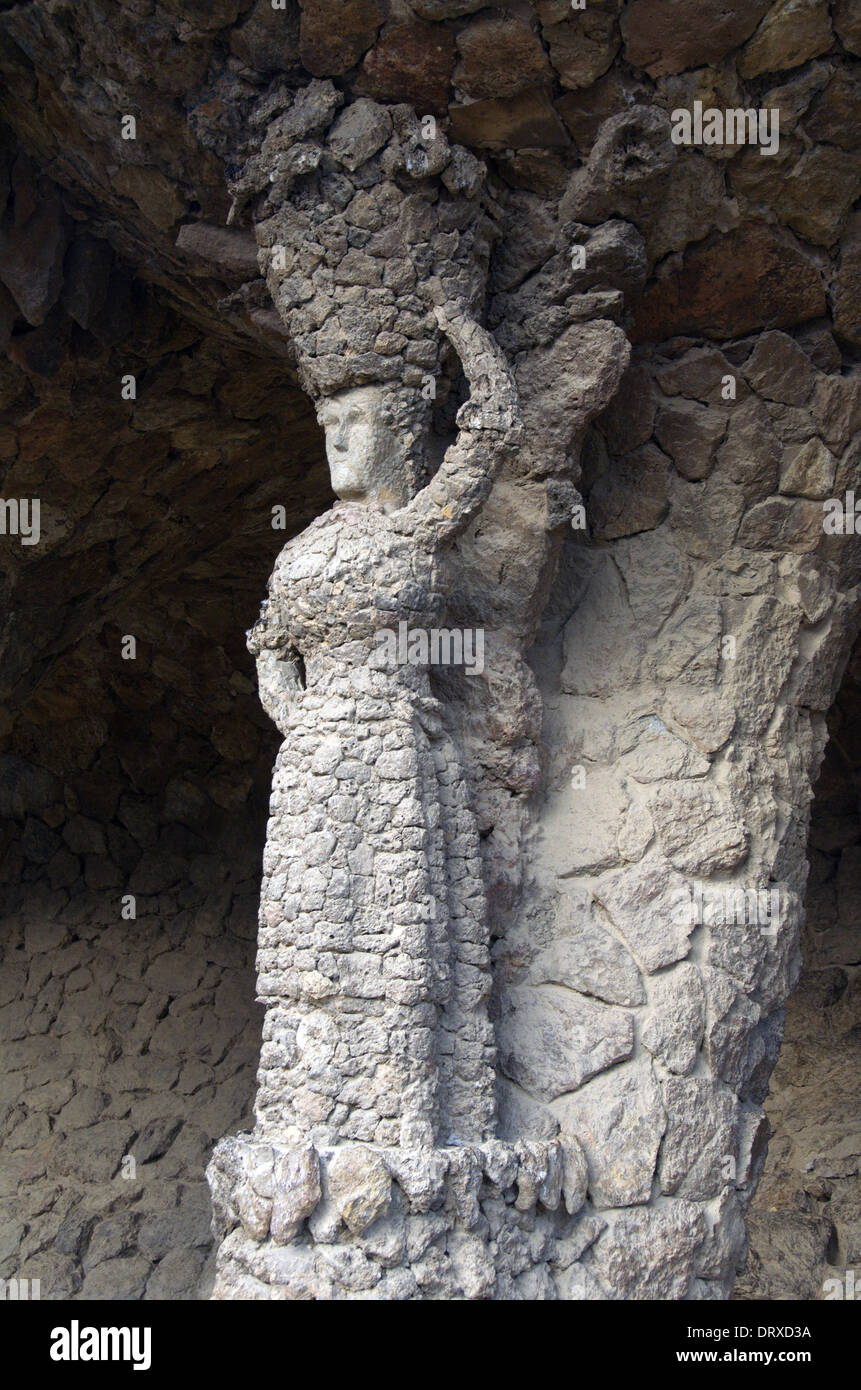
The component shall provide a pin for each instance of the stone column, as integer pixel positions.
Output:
(689, 655)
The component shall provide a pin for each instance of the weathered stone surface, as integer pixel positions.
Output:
(297, 1191)
(8, 314)
(690, 434)
(333, 37)
(96, 1152)
(575, 1182)
(33, 240)
(692, 638)
(792, 32)
(847, 287)
(834, 115)
(554, 1040)
(650, 1254)
(665, 36)
(719, 504)
(809, 471)
(359, 132)
(628, 420)
(585, 111)
(86, 285)
(725, 1247)
(698, 206)
(781, 524)
(674, 1030)
(749, 279)
(701, 375)
(177, 1276)
(627, 170)
(716, 87)
(633, 496)
(642, 903)
(206, 14)
(359, 1184)
(410, 62)
(498, 55)
(698, 1153)
(600, 806)
(445, 9)
(801, 1217)
(689, 654)
(225, 247)
(544, 172)
(267, 39)
(650, 751)
(750, 453)
(584, 45)
(811, 190)
(847, 25)
(789, 1256)
(597, 637)
(520, 1114)
(592, 962)
(780, 370)
(836, 409)
(697, 830)
(123, 1279)
(619, 1120)
(792, 98)
(159, 201)
(526, 119)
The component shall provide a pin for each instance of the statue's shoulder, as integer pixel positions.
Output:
(351, 519)
(348, 528)
(324, 527)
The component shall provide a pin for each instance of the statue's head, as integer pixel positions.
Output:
(372, 444)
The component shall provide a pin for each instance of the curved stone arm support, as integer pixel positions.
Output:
(279, 664)
(278, 683)
(562, 387)
(489, 426)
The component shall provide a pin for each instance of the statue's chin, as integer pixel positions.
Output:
(348, 483)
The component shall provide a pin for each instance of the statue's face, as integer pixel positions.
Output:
(362, 451)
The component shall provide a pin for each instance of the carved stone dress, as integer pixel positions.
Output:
(373, 944)
(373, 960)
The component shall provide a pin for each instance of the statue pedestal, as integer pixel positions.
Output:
(362, 1220)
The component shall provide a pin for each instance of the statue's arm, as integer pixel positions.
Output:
(489, 426)
(280, 676)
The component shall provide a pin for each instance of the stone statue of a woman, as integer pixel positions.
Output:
(373, 954)
(375, 1108)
